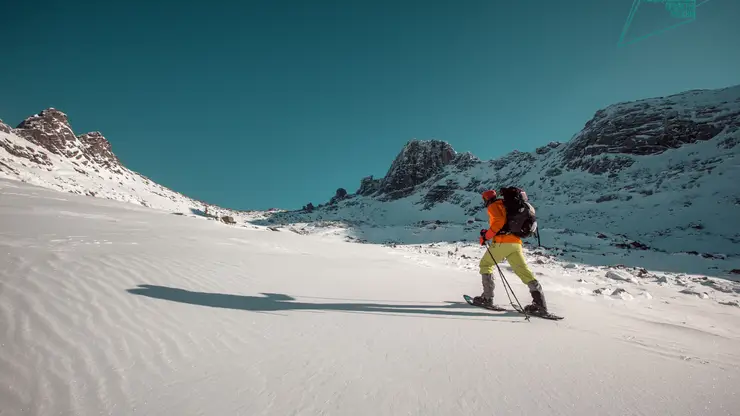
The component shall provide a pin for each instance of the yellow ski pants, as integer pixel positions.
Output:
(512, 252)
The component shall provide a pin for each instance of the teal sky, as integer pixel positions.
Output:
(258, 104)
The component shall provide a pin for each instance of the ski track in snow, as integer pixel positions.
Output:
(108, 308)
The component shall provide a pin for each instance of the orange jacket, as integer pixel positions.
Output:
(497, 220)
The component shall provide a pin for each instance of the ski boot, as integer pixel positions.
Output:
(538, 305)
(483, 301)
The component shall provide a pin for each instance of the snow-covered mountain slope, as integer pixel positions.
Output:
(648, 182)
(44, 150)
(116, 309)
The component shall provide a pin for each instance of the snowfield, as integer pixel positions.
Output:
(114, 308)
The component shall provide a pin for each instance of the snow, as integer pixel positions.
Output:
(114, 308)
(677, 211)
(620, 275)
(118, 183)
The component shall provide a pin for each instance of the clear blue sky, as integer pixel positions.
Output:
(256, 104)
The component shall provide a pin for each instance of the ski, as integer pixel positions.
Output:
(549, 316)
(490, 308)
(496, 308)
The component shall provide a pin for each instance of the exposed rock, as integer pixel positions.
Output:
(545, 149)
(369, 186)
(632, 245)
(465, 161)
(50, 129)
(97, 149)
(601, 165)
(730, 303)
(606, 198)
(439, 193)
(228, 219)
(729, 142)
(646, 127)
(25, 152)
(417, 162)
(702, 295)
(514, 158)
(552, 172)
(621, 275)
(4, 127)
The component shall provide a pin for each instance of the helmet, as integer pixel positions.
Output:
(489, 195)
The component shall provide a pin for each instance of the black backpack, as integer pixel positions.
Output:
(521, 220)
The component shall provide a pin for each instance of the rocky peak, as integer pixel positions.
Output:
(418, 161)
(50, 129)
(4, 127)
(97, 149)
(652, 126)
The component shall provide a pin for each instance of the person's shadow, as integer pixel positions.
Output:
(272, 302)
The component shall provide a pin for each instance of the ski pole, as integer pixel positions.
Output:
(506, 283)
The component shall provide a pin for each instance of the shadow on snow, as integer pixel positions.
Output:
(273, 302)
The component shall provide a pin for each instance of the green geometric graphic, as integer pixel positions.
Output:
(683, 10)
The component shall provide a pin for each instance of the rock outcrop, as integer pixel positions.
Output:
(4, 127)
(51, 130)
(417, 162)
(369, 186)
(97, 149)
(652, 126)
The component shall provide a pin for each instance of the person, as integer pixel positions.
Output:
(504, 246)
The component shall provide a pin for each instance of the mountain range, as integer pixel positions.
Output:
(649, 183)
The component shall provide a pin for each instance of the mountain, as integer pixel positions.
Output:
(44, 150)
(640, 181)
(648, 182)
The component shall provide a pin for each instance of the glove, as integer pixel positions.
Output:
(485, 235)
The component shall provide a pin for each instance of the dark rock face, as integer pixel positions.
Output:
(546, 149)
(369, 186)
(97, 149)
(417, 162)
(649, 127)
(51, 130)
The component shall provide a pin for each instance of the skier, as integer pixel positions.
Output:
(509, 247)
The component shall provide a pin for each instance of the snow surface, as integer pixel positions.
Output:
(113, 308)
